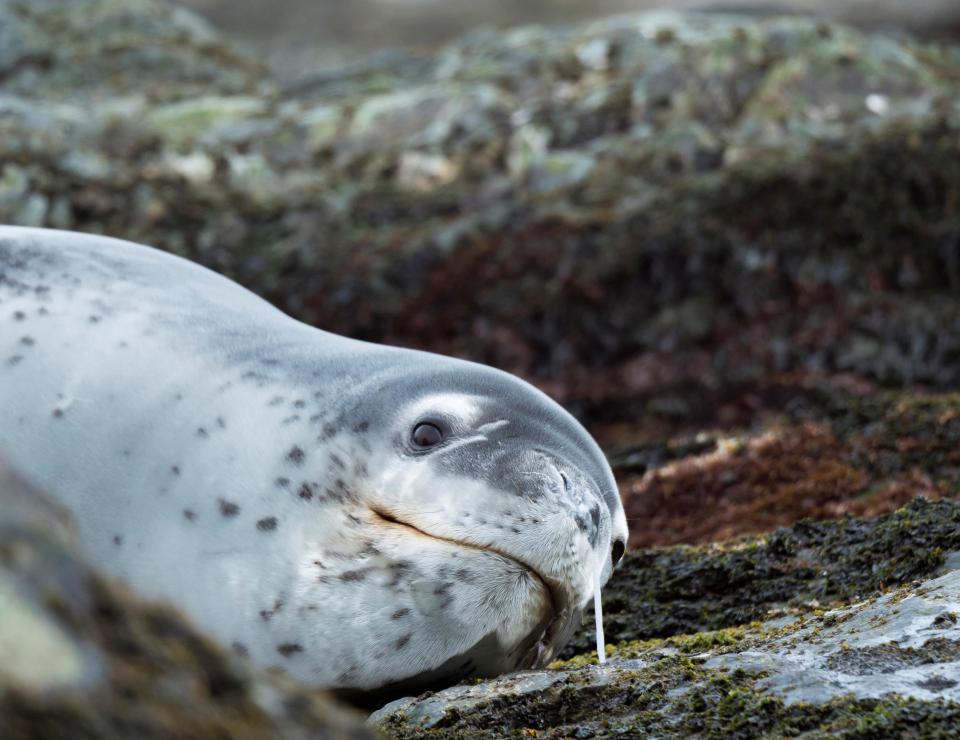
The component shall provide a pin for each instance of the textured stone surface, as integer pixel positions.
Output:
(752, 196)
(876, 669)
(81, 657)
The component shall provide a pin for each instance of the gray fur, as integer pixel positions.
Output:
(258, 472)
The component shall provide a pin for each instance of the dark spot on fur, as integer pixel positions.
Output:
(296, 455)
(118, 540)
(360, 469)
(175, 469)
(305, 492)
(282, 482)
(221, 423)
(400, 613)
(57, 413)
(202, 433)
(290, 420)
(14, 360)
(362, 426)
(353, 575)
(276, 401)
(335, 460)
(288, 649)
(370, 549)
(266, 614)
(402, 642)
(28, 341)
(189, 515)
(94, 319)
(227, 508)
(397, 571)
(267, 524)
(19, 316)
(464, 575)
(299, 404)
(240, 649)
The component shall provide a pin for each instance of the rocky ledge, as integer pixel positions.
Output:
(887, 667)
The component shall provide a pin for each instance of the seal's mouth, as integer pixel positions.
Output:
(549, 636)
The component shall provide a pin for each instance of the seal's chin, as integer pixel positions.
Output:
(551, 634)
(489, 656)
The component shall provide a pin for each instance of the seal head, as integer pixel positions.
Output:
(493, 515)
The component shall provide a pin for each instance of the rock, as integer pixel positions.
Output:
(828, 452)
(659, 592)
(82, 657)
(905, 643)
(754, 196)
(882, 668)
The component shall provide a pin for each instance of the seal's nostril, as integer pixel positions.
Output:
(618, 549)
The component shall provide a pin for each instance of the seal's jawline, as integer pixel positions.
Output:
(558, 606)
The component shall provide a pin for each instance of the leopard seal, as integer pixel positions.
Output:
(361, 516)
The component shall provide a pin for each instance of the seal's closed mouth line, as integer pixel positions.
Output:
(556, 602)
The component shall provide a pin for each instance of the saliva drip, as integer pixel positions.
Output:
(598, 618)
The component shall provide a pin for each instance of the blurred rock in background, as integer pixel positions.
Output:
(295, 35)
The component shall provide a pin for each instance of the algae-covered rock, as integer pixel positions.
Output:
(645, 213)
(80, 657)
(883, 668)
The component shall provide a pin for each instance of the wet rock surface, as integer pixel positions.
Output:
(730, 245)
(81, 657)
(886, 667)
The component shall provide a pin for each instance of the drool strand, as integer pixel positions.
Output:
(598, 618)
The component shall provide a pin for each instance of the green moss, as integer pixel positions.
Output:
(678, 697)
(686, 590)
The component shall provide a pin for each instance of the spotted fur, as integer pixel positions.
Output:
(259, 473)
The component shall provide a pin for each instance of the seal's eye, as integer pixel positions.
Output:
(426, 435)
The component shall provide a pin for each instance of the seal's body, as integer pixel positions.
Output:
(362, 516)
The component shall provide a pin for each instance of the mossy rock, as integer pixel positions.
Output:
(882, 668)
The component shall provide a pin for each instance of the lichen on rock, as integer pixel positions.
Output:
(760, 681)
